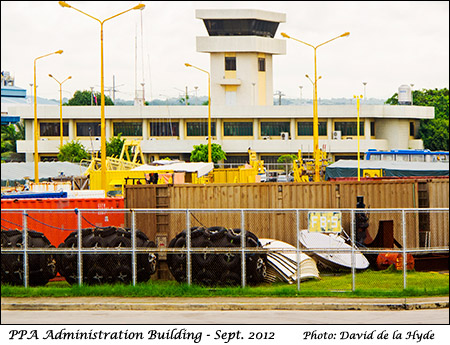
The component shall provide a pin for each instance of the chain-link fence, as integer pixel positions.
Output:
(219, 247)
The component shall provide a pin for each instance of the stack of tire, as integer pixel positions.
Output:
(108, 268)
(41, 267)
(217, 268)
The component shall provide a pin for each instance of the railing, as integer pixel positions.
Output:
(198, 257)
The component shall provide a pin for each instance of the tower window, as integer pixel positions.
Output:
(261, 64)
(230, 63)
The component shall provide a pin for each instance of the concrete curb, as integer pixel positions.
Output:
(198, 304)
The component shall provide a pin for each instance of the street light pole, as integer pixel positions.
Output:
(60, 109)
(102, 86)
(209, 110)
(315, 108)
(36, 153)
(358, 98)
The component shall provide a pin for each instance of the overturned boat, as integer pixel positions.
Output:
(331, 251)
(283, 263)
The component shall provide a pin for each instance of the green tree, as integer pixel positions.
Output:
(433, 132)
(183, 100)
(200, 153)
(114, 146)
(73, 151)
(84, 98)
(9, 136)
(288, 158)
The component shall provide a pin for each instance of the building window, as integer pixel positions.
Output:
(275, 128)
(164, 129)
(235, 161)
(411, 129)
(349, 128)
(237, 129)
(230, 63)
(88, 129)
(241, 27)
(270, 159)
(372, 128)
(128, 129)
(261, 64)
(51, 129)
(306, 128)
(200, 129)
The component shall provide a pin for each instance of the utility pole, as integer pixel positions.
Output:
(279, 94)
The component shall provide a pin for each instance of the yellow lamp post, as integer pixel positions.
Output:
(102, 87)
(315, 109)
(36, 153)
(209, 110)
(60, 108)
(358, 98)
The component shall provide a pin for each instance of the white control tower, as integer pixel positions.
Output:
(241, 44)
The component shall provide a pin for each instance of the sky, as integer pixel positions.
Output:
(390, 44)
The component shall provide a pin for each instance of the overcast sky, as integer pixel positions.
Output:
(390, 44)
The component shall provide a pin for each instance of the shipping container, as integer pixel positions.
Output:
(56, 218)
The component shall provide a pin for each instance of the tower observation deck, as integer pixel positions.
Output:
(241, 45)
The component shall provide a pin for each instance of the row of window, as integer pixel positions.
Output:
(230, 64)
(240, 27)
(200, 128)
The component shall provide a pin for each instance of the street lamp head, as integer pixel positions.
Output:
(70, 77)
(139, 7)
(50, 76)
(64, 4)
(188, 65)
(285, 35)
(307, 76)
(346, 34)
(58, 52)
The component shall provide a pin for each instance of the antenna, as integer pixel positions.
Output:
(142, 52)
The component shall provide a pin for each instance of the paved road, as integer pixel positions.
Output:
(431, 316)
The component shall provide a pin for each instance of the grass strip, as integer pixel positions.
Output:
(368, 284)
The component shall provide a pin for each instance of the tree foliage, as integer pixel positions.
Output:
(433, 132)
(288, 158)
(9, 136)
(200, 153)
(84, 98)
(114, 146)
(73, 151)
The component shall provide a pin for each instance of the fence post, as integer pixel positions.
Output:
(25, 248)
(188, 246)
(299, 255)
(133, 246)
(404, 247)
(243, 249)
(353, 248)
(80, 257)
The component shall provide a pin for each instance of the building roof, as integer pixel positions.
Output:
(21, 171)
(348, 168)
(240, 14)
(200, 168)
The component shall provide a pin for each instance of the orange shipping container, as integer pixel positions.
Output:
(56, 224)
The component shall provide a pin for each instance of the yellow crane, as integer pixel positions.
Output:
(304, 170)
